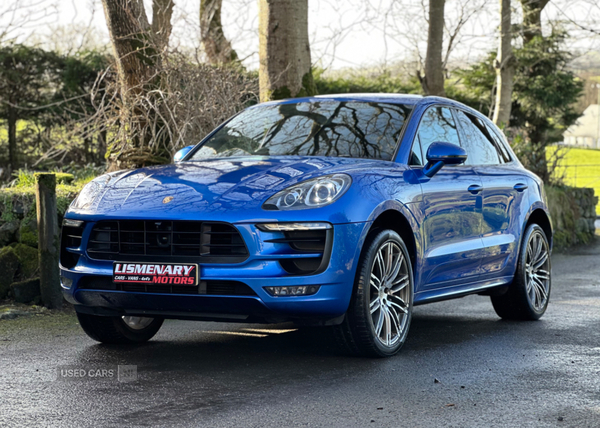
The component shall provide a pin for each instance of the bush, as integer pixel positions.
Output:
(178, 108)
(17, 202)
(365, 82)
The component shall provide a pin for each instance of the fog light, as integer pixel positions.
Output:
(300, 290)
(290, 227)
(66, 282)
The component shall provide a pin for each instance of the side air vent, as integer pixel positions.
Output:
(70, 240)
(309, 242)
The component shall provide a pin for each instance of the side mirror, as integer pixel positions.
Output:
(440, 154)
(181, 153)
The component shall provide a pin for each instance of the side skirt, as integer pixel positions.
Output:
(447, 293)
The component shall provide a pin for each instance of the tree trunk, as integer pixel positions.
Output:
(130, 36)
(433, 81)
(12, 140)
(284, 50)
(505, 68)
(102, 135)
(532, 18)
(218, 49)
(138, 57)
(162, 10)
(532, 27)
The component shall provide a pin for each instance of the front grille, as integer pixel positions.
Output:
(211, 287)
(70, 238)
(166, 240)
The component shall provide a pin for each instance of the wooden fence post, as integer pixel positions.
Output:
(48, 246)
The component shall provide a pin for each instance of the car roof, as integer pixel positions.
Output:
(409, 99)
(405, 99)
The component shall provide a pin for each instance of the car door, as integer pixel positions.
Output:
(503, 191)
(451, 208)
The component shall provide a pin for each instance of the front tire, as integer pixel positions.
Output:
(528, 296)
(380, 311)
(119, 330)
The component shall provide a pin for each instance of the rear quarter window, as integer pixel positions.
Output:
(476, 140)
(500, 141)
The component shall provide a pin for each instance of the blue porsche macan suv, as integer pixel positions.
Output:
(341, 211)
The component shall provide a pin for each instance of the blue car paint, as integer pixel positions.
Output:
(233, 190)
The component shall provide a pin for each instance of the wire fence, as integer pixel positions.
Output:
(581, 175)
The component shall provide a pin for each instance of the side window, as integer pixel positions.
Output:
(481, 149)
(437, 125)
(416, 154)
(500, 143)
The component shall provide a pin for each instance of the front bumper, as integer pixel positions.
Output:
(261, 269)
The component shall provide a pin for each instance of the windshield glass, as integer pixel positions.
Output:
(320, 128)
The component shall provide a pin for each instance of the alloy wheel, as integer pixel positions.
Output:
(537, 271)
(390, 294)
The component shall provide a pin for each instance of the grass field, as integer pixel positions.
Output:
(581, 168)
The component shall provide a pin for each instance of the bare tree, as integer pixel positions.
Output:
(216, 46)
(20, 18)
(505, 68)
(284, 50)
(162, 11)
(138, 47)
(581, 15)
(401, 23)
(433, 80)
(192, 100)
(532, 18)
(129, 33)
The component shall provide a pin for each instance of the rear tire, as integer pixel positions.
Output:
(119, 330)
(378, 319)
(528, 296)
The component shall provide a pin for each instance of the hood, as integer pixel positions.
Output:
(214, 185)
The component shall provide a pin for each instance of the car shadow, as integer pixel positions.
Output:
(198, 346)
(210, 369)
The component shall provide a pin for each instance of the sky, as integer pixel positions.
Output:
(343, 33)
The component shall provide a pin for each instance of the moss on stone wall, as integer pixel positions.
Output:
(18, 204)
(573, 215)
(28, 261)
(9, 264)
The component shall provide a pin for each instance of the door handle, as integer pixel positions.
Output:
(475, 188)
(519, 187)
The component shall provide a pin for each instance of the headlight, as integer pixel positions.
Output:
(314, 193)
(89, 192)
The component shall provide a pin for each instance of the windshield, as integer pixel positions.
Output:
(320, 128)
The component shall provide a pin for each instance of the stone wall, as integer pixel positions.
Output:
(19, 240)
(18, 217)
(573, 212)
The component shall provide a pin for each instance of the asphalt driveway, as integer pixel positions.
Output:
(461, 367)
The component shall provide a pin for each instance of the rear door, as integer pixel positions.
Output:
(451, 211)
(504, 186)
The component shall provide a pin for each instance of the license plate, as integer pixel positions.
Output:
(156, 273)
